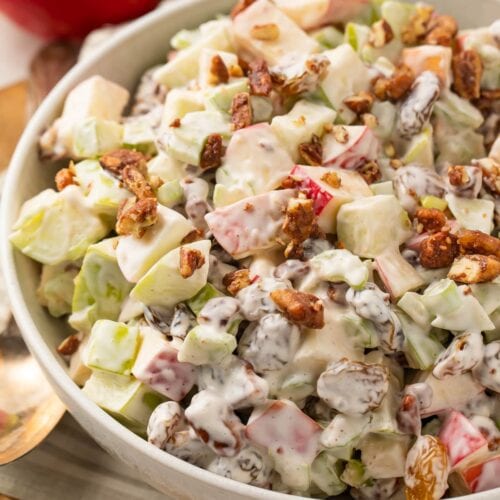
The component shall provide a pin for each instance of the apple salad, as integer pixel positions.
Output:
(281, 262)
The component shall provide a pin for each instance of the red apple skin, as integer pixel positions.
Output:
(483, 476)
(66, 19)
(461, 438)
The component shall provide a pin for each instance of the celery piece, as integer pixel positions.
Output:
(325, 474)
(442, 297)
(413, 305)
(355, 474)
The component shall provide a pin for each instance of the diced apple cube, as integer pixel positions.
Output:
(94, 136)
(139, 134)
(78, 370)
(472, 213)
(482, 476)
(157, 366)
(178, 103)
(242, 232)
(462, 439)
(435, 58)
(362, 146)
(220, 98)
(298, 126)
(327, 198)
(205, 76)
(163, 285)
(384, 456)
(112, 347)
(136, 256)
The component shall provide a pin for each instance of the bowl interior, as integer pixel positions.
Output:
(123, 60)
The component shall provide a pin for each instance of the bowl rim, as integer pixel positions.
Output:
(54, 371)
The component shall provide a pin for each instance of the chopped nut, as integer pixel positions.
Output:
(395, 163)
(478, 242)
(155, 181)
(380, 34)
(312, 152)
(299, 219)
(370, 172)
(370, 120)
(299, 307)
(438, 250)
(241, 111)
(467, 73)
(237, 280)
(491, 174)
(289, 183)
(395, 87)
(235, 71)
(69, 345)
(416, 29)
(240, 7)
(360, 103)
(213, 151)
(441, 30)
(134, 217)
(474, 269)
(431, 219)
(116, 161)
(64, 178)
(218, 70)
(457, 175)
(340, 134)
(390, 150)
(192, 236)
(265, 32)
(190, 259)
(135, 181)
(176, 123)
(259, 78)
(332, 179)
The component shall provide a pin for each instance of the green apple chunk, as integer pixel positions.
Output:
(167, 168)
(187, 141)
(103, 191)
(125, 398)
(472, 213)
(112, 347)
(220, 98)
(205, 74)
(56, 287)
(412, 304)
(100, 287)
(420, 150)
(95, 136)
(197, 302)
(384, 456)
(206, 345)
(170, 194)
(178, 103)
(163, 285)
(488, 295)
(136, 256)
(56, 227)
(325, 474)
(138, 134)
(368, 236)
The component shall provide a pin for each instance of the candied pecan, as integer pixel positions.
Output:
(265, 32)
(176, 123)
(213, 151)
(241, 111)
(395, 87)
(474, 269)
(360, 103)
(416, 28)
(491, 174)
(190, 259)
(312, 152)
(64, 178)
(259, 78)
(299, 307)
(299, 219)
(467, 73)
(380, 34)
(192, 236)
(237, 280)
(471, 241)
(441, 30)
(289, 183)
(240, 7)
(340, 134)
(332, 179)
(134, 217)
(116, 161)
(431, 219)
(457, 175)
(370, 172)
(69, 345)
(438, 250)
(135, 181)
(236, 71)
(218, 70)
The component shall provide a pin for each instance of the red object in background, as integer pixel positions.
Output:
(72, 18)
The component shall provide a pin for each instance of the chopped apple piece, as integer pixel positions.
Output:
(384, 455)
(435, 58)
(178, 103)
(481, 476)
(206, 78)
(94, 136)
(472, 213)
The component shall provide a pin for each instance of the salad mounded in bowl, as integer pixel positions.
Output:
(280, 262)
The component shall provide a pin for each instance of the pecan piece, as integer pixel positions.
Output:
(190, 259)
(299, 224)
(491, 173)
(240, 7)
(192, 236)
(135, 182)
(438, 250)
(241, 111)
(134, 217)
(69, 345)
(259, 78)
(218, 70)
(64, 178)
(467, 73)
(360, 103)
(116, 161)
(213, 151)
(432, 220)
(395, 87)
(265, 32)
(237, 280)
(457, 175)
(441, 30)
(299, 307)
(332, 179)
(471, 241)
(340, 134)
(380, 34)
(370, 172)
(474, 269)
(312, 152)
(416, 29)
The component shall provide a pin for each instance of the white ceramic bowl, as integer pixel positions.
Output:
(123, 60)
